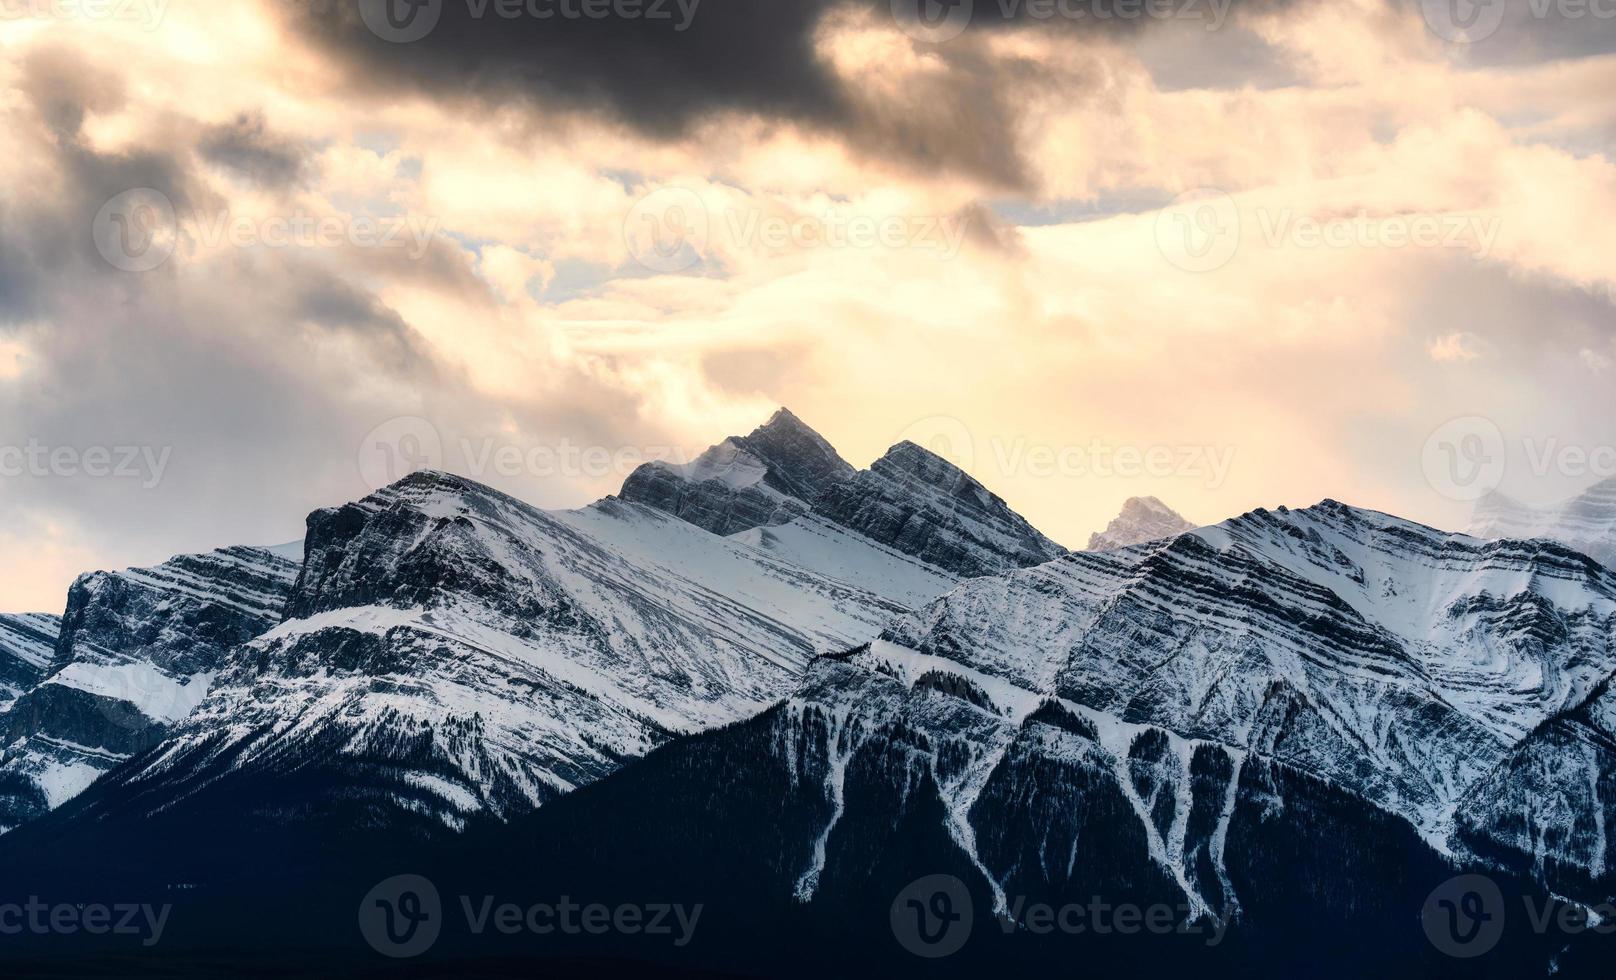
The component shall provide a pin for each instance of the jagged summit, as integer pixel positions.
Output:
(768, 478)
(915, 501)
(1143, 519)
(910, 500)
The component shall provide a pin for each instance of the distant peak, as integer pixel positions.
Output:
(1143, 519)
(1146, 505)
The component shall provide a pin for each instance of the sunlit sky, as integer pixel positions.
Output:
(1256, 256)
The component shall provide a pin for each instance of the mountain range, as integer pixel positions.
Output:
(791, 691)
(1586, 522)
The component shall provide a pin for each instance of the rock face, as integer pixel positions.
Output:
(767, 478)
(1586, 522)
(918, 503)
(1143, 520)
(27, 647)
(135, 653)
(452, 654)
(1545, 810)
(911, 500)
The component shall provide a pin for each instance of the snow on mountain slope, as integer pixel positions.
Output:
(1549, 809)
(820, 546)
(916, 502)
(769, 477)
(451, 652)
(1586, 522)
(137, 652)
(1143, 519)
(1400, 663)
(27, 647)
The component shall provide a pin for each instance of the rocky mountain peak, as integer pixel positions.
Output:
(767, 478)
(1143, 519)
(918, 502)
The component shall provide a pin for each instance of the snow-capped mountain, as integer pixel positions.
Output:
(769, 477)
(1143, 519)
(910, 500)
(1401, 663)
(137, 650)
(1586, 522)
(1293, 725)
(27, 647)
(451, 653)
(915, 501)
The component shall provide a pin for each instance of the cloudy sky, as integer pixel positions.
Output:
(257, 256)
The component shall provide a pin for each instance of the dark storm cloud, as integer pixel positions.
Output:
(732, 54)
(246, 146)
(755, 56)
